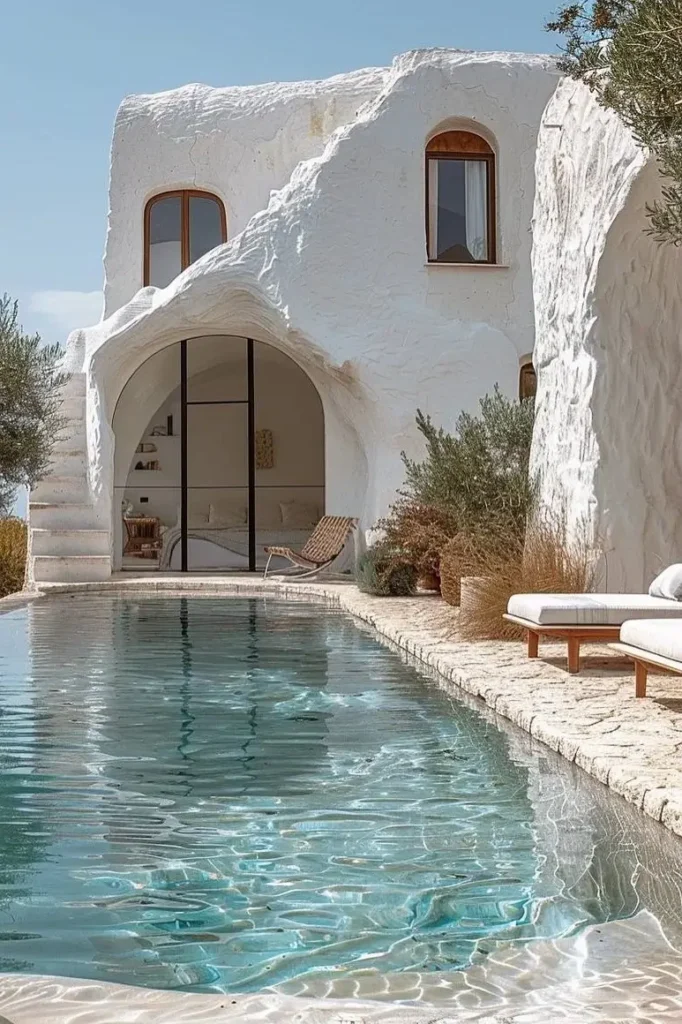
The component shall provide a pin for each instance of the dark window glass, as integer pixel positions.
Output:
(165, 240)
(205, 226)
(458, 210)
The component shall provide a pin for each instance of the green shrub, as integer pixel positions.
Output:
(385, 572)
(13, 539)
(31, 393)
(478, 475)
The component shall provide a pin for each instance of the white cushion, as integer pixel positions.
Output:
(655, 636)
(299, 516)
(196, 520)
(226, 514)
(591, 609)
(197, 516)
(668, 583)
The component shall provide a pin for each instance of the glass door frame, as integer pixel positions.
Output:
(249, 401)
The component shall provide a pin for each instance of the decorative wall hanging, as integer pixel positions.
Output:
(265, 451)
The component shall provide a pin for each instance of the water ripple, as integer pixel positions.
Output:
(234, 794)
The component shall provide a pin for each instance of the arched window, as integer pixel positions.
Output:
(179, 227)
(528, 382)
(460, 199)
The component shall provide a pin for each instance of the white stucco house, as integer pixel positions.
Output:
(291, 270)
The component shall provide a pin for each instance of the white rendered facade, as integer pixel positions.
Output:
(608, 352)
(323, 186)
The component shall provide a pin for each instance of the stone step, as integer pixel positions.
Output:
(71, 568)
(56, 489)
(73, 407)
(77, 384)
(61, 515)
(72, 439)
(59, 541)
(69, 462)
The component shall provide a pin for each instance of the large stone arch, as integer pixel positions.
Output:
(123, 355)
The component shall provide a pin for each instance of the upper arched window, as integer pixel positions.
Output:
(179, 227)
(460, 199)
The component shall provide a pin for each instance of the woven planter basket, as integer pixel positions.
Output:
(469, 593)
(429, 581)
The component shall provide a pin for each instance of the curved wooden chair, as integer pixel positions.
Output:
(323, 547)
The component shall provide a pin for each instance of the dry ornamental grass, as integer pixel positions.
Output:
(546, 564)
(13, 539)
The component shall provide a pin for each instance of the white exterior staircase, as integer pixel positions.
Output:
(66, 544)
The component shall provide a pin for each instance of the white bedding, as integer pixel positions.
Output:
(226, 547)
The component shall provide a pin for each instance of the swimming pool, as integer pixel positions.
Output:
(210, 793)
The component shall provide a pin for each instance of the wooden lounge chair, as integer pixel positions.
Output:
(651, 643)
(323, 547)
(583, 618)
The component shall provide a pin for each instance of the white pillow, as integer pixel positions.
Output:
(195, 519)
(668, 583)
(299, 515)
(227, 514)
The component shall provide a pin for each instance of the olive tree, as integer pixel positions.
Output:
(31, 383)
(629, 52)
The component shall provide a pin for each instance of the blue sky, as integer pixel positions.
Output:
(66, 65)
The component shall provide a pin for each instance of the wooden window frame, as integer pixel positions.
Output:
(185, 195)
(477, 152)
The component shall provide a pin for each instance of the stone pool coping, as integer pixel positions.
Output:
(632, 745)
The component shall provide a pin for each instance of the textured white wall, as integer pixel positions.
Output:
(608, 437)
(333, 272)
(239, 143)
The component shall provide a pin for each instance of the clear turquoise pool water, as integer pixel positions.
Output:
(202, 793)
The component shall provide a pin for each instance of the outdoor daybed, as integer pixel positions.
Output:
(651, 643)
(589, 618)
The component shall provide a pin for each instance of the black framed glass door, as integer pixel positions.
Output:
(219, 454)
(217, 400)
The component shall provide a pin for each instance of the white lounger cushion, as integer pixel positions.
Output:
(591, 609)
(668, 583)
(654, 636)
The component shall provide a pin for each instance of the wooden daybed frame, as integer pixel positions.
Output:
(644, 660)
(574, 636)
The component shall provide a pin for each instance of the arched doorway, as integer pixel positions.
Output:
(219, 451)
